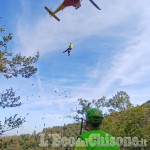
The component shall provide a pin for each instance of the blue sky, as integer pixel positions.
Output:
(111, 53)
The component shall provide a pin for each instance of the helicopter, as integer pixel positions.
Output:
(66, 3)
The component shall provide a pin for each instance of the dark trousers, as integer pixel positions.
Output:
(67, 50)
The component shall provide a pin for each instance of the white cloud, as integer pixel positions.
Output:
(130, 66)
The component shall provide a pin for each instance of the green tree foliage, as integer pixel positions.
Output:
(15, 65)
(8, 99)
(11, 123)
(134, 122)
(119, 102)
(10, 143)
(147, 103)
(12, 66)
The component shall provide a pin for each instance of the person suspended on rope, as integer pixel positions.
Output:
(69, 49)
(95, 138)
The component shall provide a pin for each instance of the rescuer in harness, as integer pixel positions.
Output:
(69, 49)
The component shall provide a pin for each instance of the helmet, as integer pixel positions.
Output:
(94, 116)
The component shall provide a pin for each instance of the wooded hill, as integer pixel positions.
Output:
(134, 122)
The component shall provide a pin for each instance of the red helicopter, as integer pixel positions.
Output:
(66, 3)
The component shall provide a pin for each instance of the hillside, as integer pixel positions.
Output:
(134, 122)
(147, 103)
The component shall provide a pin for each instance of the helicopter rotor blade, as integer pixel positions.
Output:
(95, 4)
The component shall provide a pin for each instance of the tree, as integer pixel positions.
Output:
(119, 102)
(8, 99)
(134, 122)
(12, 66)
(15, 65)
